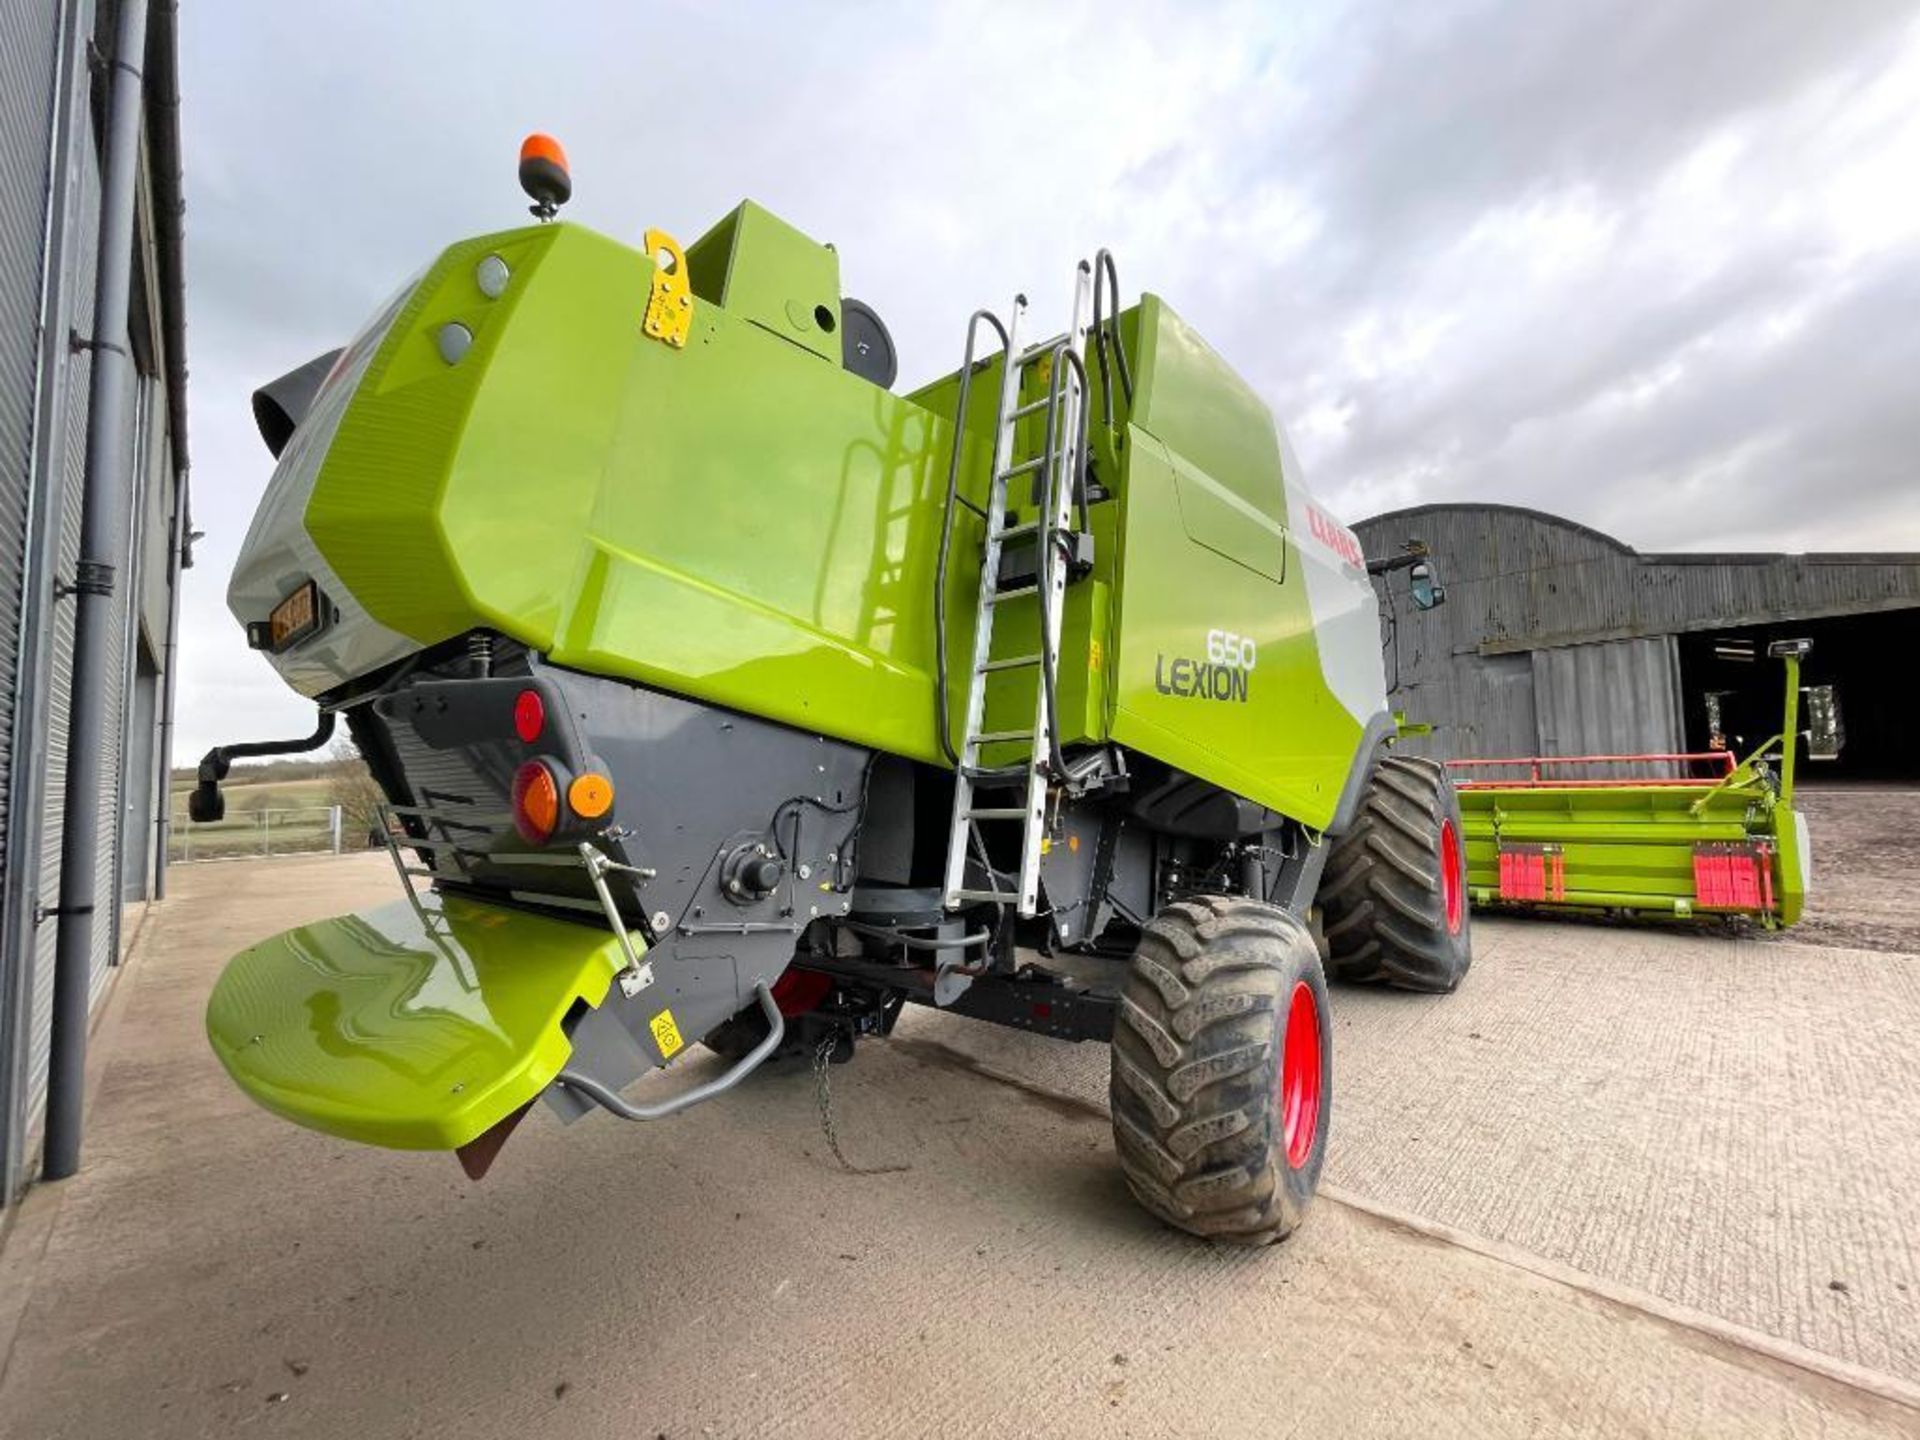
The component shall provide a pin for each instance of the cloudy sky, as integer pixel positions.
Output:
(1652, 266)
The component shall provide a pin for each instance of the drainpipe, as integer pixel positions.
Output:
(179, 557)
(163, 150)
(102, 545)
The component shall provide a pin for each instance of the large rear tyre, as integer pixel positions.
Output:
(1223, 1070)
(1394, 897)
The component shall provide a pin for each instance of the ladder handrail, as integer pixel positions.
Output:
(1103, 269)
(942, 717)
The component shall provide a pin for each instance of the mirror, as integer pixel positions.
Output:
(1825, 733)
(1427, 593)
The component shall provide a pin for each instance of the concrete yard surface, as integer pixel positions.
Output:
(214, 1270)
(1724, 1123)
(1866, 885)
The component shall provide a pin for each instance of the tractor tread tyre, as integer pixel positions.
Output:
(1383, 899)
(1197, 1048)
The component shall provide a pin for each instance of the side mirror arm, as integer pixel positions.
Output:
(206, 804)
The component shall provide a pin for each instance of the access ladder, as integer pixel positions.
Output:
(1060, 472)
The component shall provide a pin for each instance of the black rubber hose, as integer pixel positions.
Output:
(1052, 542)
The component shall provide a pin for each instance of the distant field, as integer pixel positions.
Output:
(268, 817)
(264, 795)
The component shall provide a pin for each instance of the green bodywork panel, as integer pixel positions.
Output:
(745, 522)
(416, 1029)
(761, 269)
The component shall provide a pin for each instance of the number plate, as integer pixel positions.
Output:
(296, 617)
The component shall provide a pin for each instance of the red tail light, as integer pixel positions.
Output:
(529, 715)
(536, 803)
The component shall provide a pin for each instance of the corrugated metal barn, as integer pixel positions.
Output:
(92, 507)
(1558, 640)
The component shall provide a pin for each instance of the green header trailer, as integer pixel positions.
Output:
(1685, 837)
(723, 696)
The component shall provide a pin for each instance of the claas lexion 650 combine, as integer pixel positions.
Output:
(720, 694)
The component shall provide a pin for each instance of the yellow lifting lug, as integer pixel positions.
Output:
(670, 304)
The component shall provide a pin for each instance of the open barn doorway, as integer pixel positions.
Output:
(1861, 656)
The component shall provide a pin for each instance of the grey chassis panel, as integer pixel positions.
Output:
(701, 794)
(696, 785)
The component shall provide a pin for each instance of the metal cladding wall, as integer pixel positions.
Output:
(28, 48)
(1557, 639)
(79, 369)
(49, 231)
(1617, 697)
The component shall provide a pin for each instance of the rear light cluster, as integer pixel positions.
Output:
(543, 794)
(536, 803)
(529, 715)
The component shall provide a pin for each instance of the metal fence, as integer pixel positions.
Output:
(309, 830)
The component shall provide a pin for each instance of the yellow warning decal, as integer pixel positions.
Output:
(666, 1034)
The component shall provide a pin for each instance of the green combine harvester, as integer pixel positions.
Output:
(721, 694)
(1649, 836)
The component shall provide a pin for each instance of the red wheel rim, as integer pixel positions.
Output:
(1453, 891)
(1300, 1076)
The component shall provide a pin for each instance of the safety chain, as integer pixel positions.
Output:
(823, 1092)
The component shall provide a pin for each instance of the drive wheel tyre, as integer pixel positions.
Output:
(795, 992)
(1394, 898)
(1223, 1070)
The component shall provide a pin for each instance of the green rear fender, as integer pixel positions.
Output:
(415, 1028)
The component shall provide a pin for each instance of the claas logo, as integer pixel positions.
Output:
(1335, 536)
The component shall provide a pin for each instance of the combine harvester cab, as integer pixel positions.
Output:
(720, 694)
(1697, 837)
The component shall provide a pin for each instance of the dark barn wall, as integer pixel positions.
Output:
(1557, 639)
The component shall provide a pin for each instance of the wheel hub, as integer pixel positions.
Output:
(1453, 892)
(1300, 1075)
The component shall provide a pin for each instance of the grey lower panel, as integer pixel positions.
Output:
(751, 831)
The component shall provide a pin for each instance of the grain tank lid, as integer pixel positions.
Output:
(413, 1028)
(760, 269)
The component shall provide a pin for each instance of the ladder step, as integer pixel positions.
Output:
(1027, 466)
(994, 774)
(1024, 528)
(1016, 593)
(1032, 407)
(998, 812)
(995, 897)
(1012, 662)
(1000, 737)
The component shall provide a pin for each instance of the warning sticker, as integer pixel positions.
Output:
(666, 1034)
